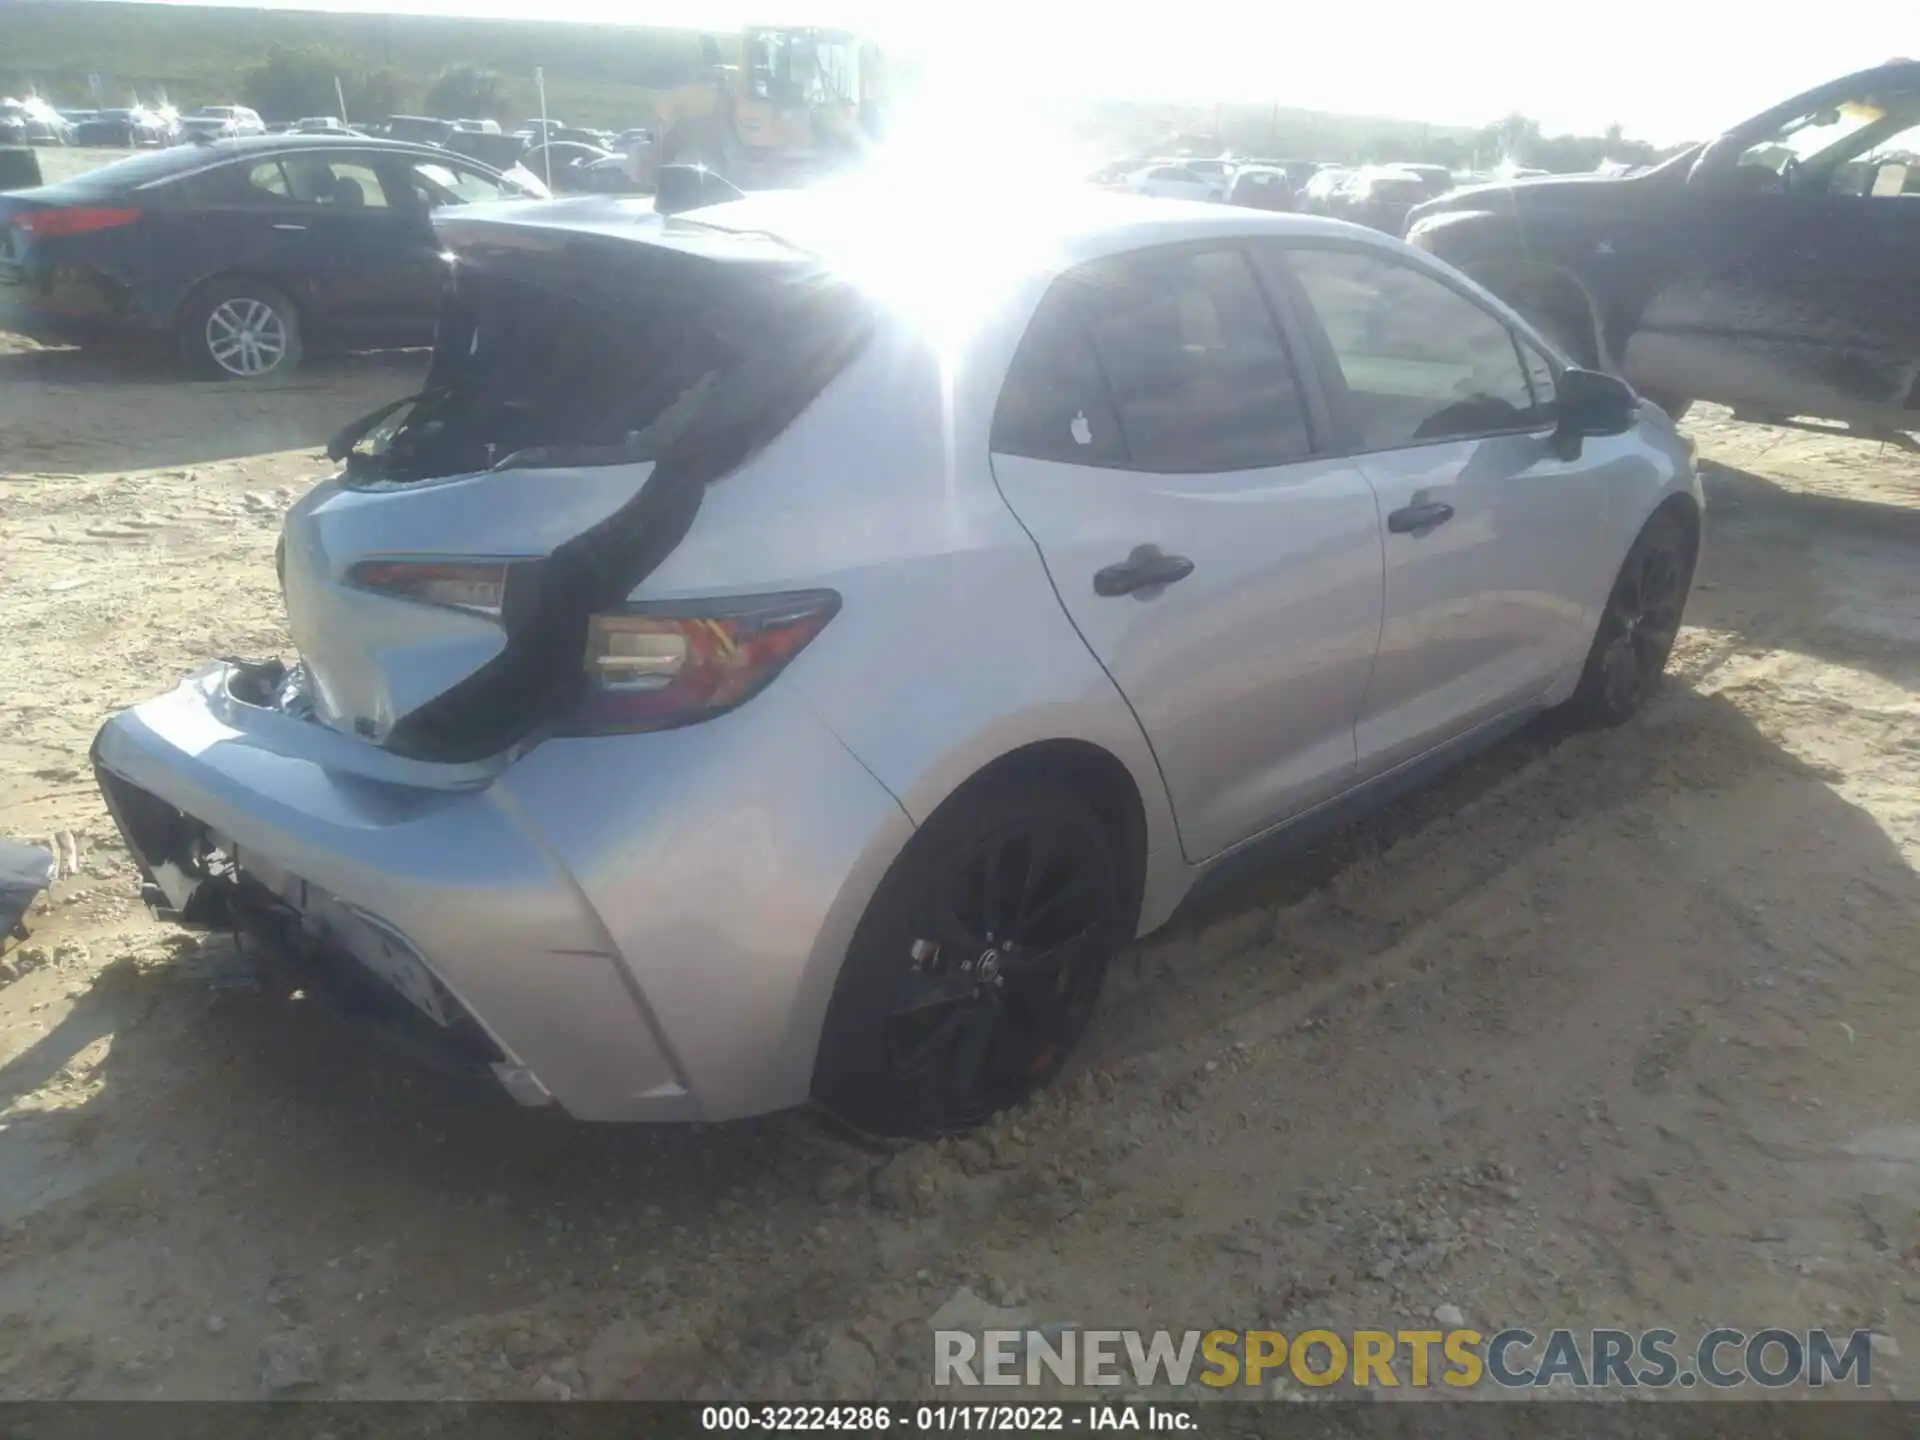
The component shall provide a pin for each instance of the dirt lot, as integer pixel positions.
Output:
(1607, 1030)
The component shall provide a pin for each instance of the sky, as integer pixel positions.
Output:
(1667, 70)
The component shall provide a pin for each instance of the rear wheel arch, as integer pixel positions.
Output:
(1075, 785)
(1097, 776)
(1686, 510)
(1678, 506)
(242, 274)
(192, 346)
(1640, 618)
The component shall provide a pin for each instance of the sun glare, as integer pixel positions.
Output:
(951, 212)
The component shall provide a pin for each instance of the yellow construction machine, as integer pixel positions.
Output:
(802, 101)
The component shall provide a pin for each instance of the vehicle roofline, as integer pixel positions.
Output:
(219, 152)
(1170, 222)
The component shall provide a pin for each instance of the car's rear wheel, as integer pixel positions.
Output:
(1637, 629)
(978, 964)
(241, 330)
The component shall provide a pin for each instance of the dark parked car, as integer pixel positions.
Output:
(502, 152)
(322, 125)
(244, 253)
(221, 122)
(610, 175)
(1299, 172)
(1775, 269)
(19, 166)
(563, 165)
(125, 129)
(420, 129)
(1381, 196)
(1261, 188)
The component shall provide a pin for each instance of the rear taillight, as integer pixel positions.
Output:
(652, 667)
(477, 586)
(72, 220)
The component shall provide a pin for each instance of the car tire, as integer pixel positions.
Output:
(1637, 628)
(978, 964)
(241, 329)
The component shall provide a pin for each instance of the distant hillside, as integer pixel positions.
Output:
(198, 55)
(1277, 132)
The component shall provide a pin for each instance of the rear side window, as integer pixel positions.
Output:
(1174, 349)
(1053, 404)
(435, 185)
(268, 181)
(1421, 361)
(1199, 373)
(542, 363)
(341, 183)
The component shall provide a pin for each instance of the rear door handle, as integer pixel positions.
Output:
(1147, 566)
(1420, 518)
(287, 225)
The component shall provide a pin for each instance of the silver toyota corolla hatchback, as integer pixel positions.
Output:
(787, 649)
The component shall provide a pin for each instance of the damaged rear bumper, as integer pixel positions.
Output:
(508, 919)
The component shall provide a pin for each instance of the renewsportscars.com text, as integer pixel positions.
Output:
(1719, 1359)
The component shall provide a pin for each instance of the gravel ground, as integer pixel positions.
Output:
(1604, 1030)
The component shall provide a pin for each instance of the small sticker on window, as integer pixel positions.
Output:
(1081, 431)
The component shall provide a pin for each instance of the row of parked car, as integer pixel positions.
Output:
(35, 122)
(1771, 269)
(569, 158)
(247, 253)
(1775, 269)
(1377, 196)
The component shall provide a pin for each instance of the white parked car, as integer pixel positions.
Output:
(1326, 189)
(770, 661)
(1216, 168)
(1173, 181)
(221, 122)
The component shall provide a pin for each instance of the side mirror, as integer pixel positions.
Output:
(1590, 403)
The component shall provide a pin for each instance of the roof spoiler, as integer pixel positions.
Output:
(679, 188)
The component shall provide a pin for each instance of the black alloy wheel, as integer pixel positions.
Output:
(1640, 624)
(978, 966)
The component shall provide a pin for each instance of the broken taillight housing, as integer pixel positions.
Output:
(478, 587)
(652, 667)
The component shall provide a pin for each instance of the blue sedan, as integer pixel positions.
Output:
(245, 254)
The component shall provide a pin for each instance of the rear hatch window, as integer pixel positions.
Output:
(561, 349)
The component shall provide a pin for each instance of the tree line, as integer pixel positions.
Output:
(1519, 139)
(295, 81)
(1357, 139)
(298, 80)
